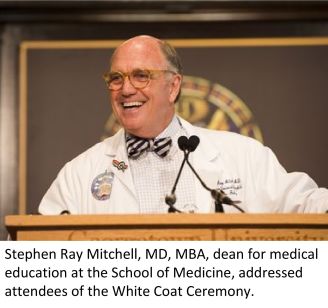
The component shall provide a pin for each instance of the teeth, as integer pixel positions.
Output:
(132, 104)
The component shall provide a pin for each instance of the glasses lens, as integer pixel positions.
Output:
(115, 80)
(140, 78)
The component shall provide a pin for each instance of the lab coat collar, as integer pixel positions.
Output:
(206, 151)
(116, 151)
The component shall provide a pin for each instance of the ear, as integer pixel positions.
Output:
(175, 85)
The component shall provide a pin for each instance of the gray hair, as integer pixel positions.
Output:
(173, 60)
(171, 56)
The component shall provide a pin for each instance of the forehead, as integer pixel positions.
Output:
(138, 54)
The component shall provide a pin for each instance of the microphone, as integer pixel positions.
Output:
(217, 194)
(221, 198)
(170, 199)
(186, 146)
(193, 143)
(183, 143)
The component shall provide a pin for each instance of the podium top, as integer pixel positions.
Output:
(170, 227)
(206, 220)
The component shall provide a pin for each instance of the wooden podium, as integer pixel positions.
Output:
(188, 227)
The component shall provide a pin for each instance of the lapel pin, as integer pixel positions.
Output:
(120, 165)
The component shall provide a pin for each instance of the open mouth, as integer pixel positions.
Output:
(129, 105)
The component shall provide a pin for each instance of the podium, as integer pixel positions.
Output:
(184, 227)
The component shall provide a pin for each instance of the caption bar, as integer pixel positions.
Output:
(144, 273)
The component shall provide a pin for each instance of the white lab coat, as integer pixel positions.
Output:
(245, 169)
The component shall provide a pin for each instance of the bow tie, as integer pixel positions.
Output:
(136, 146)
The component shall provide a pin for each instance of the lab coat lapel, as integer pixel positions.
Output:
(207, 168)
(116, 151)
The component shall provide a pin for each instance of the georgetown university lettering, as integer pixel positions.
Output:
(253, 233)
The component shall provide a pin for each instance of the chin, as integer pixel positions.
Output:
(132, 129)
(133, 123)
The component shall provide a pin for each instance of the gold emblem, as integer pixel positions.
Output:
(207, 104)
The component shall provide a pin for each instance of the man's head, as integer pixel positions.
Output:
(145, 77)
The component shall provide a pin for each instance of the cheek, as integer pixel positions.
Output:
(113, 99)
(160, 96)
(112, 96)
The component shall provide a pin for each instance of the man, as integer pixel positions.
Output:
(132, 171)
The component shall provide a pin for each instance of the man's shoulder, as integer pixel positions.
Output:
(226, 138)
(97, 152)
(96, 149)
(218, 136)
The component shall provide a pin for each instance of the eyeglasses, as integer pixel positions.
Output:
(139, 78)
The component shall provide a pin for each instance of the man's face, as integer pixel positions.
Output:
(144, 112)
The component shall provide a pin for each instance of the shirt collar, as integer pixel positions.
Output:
(171, 129)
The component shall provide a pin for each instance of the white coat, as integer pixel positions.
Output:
(245, 169)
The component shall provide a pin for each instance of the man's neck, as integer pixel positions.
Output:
(156, 134)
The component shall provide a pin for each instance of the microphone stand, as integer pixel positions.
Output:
(171, 199)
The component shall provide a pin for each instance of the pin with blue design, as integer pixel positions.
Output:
(101, 187)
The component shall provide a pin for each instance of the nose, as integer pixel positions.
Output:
(127, 87)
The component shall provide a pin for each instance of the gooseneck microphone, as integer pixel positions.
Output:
(187, 146)
(193, 143)
(183, 143)
(217, 194)
(170, 199)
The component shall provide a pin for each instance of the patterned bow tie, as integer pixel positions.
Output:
(136, 146)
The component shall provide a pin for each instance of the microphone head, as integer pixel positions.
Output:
(220, 196)
(215, 195)
(170, 199)
(193, 143)
(183, 143)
